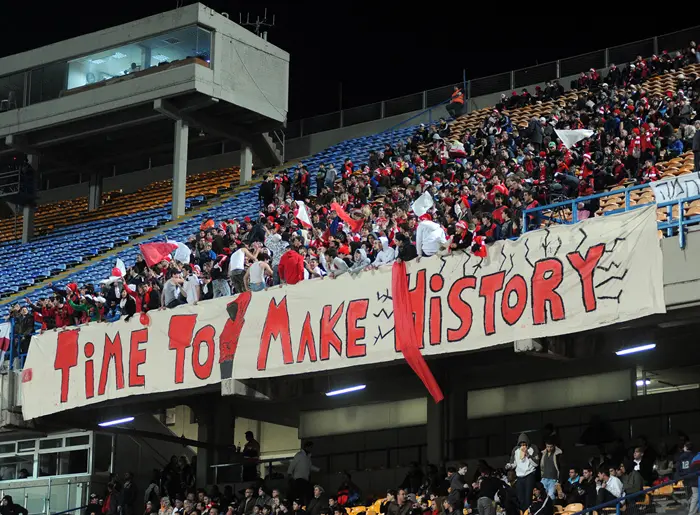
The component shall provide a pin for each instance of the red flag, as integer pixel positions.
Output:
(355, 225)
(407, 338)
(154, 253)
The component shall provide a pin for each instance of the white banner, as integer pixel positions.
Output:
(677, 188)
(570, 137)
(560, 280)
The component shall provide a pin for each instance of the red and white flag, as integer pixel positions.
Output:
(303, 215)
(5, 335)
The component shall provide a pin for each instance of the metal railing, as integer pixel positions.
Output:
(15, 350)
(429, 111)
(492, 84)
(645, 506)
(672, 225)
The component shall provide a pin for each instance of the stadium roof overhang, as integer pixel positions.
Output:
(98, 143)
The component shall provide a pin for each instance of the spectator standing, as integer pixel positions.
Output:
(457, 479)
(256, 276)
(291, 267)
(128, 496)
(524, 459)
(456, 105)
(300, 470)
(549, 466)
(171, 295)
(430, 236)
(251, 455)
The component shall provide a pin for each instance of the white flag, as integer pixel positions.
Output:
(121, 267)
(423, 204)
(570, 138)
(182, 252)
(303, 215)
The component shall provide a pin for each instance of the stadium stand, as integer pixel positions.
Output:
(482, 169)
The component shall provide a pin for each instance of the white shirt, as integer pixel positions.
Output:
(236, 261)
(190, 289)
(429, 237)
(301, 466)
(614, 486)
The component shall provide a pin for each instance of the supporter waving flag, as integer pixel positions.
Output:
(156, 252)
(355, 225)
(302, 215)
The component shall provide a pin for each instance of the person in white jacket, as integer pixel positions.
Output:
(524, 459)
(430, 237)
(386, 255)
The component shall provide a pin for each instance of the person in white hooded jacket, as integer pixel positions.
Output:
(430, 237)
(525, 459)
(385, 256)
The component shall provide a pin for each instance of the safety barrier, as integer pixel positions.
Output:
(631, 503)
(672, 225)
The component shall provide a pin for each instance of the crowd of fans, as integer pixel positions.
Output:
(361, 216)
(536, 478)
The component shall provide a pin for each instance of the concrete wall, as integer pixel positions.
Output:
(248, 71)
(276, 441)
(681, 270)
(379, 459)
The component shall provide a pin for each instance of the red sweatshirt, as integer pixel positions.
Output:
(291, 267)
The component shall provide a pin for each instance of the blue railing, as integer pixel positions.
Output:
(622, 501)
(668, 227)
(15, 350)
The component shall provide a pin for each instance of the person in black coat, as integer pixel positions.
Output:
(318, 502)
(542, 504)
(407, 250)
(8, 507)
(266, 193)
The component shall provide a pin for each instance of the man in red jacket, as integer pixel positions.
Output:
(291, 267)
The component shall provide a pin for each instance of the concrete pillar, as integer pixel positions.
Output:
(457, 423)
(180, 168)
(216, 423)
(95, 192)
(246, 164)
(435, 428)
(27, 223)
(28, 210)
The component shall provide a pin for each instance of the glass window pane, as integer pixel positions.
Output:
(135, 57)
(54, 443)
(77, 440)
(48, 464)
(103, 453)
(26, 445)
(6, 448)
(11, 92)
(16, 467)
(73, 462)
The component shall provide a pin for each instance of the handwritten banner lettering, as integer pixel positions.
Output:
(554, 281)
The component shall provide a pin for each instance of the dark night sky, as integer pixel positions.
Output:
(378, 50)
